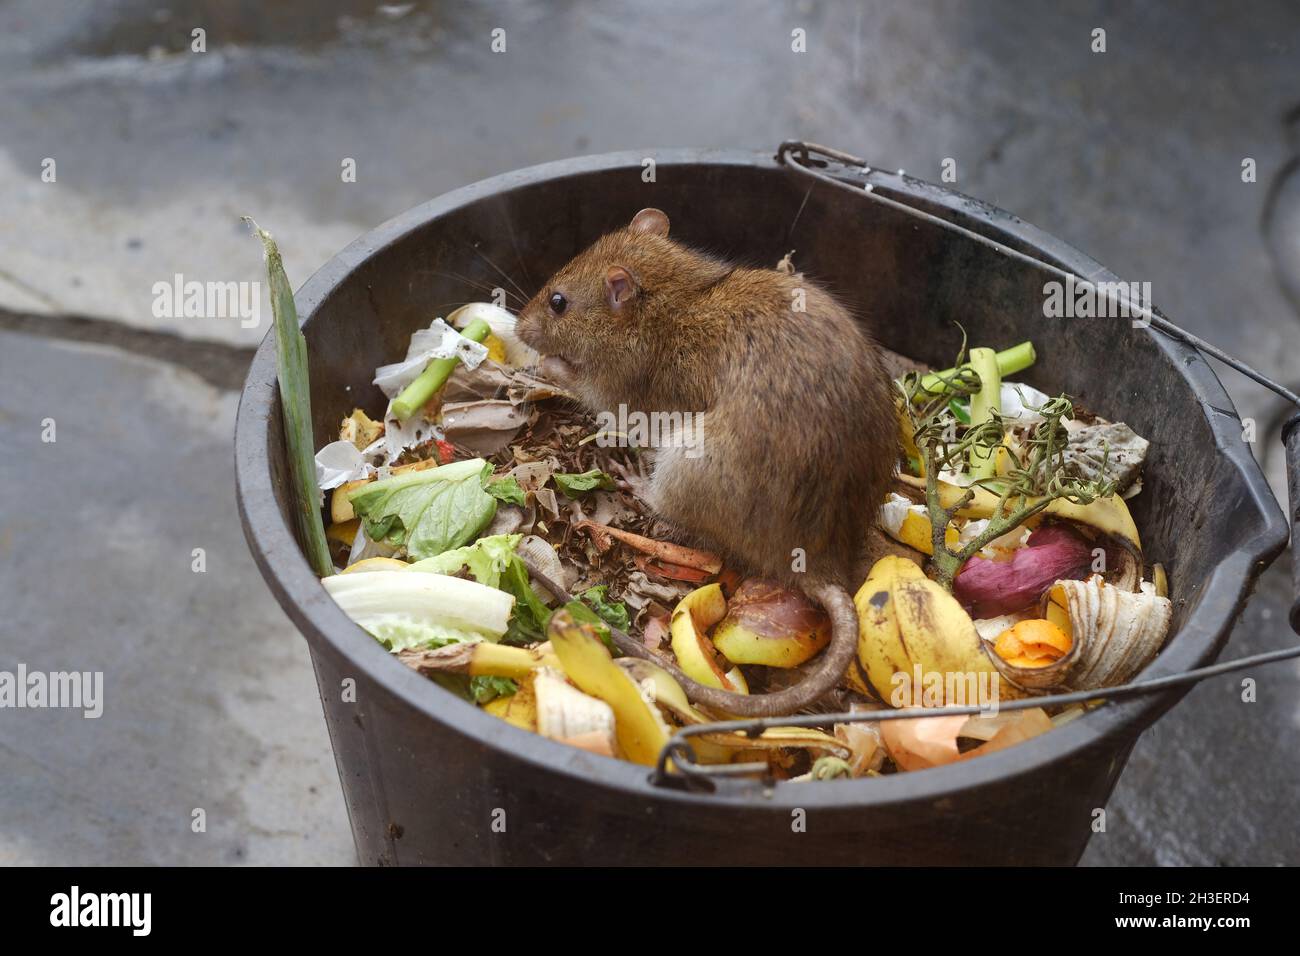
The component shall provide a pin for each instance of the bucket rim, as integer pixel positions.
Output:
(329, 630)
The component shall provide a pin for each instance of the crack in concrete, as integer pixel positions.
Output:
(220, 365)
(35, 293)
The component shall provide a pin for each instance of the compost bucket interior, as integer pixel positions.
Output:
(1204, 511)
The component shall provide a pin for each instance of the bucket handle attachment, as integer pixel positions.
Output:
(677, 764)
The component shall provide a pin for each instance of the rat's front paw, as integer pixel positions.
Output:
(634, 480)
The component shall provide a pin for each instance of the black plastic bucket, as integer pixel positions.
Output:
(430, 779)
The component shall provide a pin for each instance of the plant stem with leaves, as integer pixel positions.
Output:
(1034, 475)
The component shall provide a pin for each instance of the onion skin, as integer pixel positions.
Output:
(1053, 553)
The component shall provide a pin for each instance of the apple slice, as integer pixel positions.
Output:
(771, 625)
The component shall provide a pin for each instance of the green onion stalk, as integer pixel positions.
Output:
(295, 405)
(981, 459)
(1009, 361)
(434, 376)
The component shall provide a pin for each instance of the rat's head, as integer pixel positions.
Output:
(599, 320)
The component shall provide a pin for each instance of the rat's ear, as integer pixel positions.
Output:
(619, 287)
(650, 221)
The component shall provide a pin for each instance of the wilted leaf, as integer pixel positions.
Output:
(483, 427)
(574, 486)
(506, 489)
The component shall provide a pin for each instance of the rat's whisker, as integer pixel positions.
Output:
(479, 284)
(455, 303)
(505, 275)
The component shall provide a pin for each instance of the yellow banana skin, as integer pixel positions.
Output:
(906, 622)
(641, 732)
(880, 649)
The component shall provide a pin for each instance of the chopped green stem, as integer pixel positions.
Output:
(1010, 361)
(984, 407)
(434, 376)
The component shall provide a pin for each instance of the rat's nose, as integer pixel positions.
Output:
(528, 328)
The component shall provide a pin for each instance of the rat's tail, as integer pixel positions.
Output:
(834, 661)
(830, 667)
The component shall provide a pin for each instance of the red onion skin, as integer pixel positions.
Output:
(1054, 552)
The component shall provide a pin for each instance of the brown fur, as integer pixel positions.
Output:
(800, 436)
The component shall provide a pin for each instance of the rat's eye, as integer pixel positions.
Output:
(558, 303)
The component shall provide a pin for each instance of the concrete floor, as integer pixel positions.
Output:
(1134, 155)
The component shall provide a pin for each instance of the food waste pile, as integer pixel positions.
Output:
(488, 532)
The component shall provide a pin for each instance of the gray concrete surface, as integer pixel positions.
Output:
(209, 700)
(1134, 155)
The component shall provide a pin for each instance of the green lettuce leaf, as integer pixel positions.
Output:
(427, 512)
(613, 613)
(483, 688)
(507, 489)
(574, 485)
(586, 615)
(487, 558)
(530, 616)
(399, 633)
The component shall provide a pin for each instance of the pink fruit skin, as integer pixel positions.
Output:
(1053, 553)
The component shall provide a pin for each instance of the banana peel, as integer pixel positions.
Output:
(519, 708)
(907, 437)
(375, 564)
(736, 678)
(911, 625)
(359, 429)
(909, 524)
(344, 532)
(480, 659)
(817, 742)
(640, 731)
(855, 679)
(566, 714)
(663, 689)
(881, 652)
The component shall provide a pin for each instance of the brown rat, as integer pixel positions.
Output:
(797, 437)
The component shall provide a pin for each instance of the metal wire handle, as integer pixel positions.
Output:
(677, 758)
